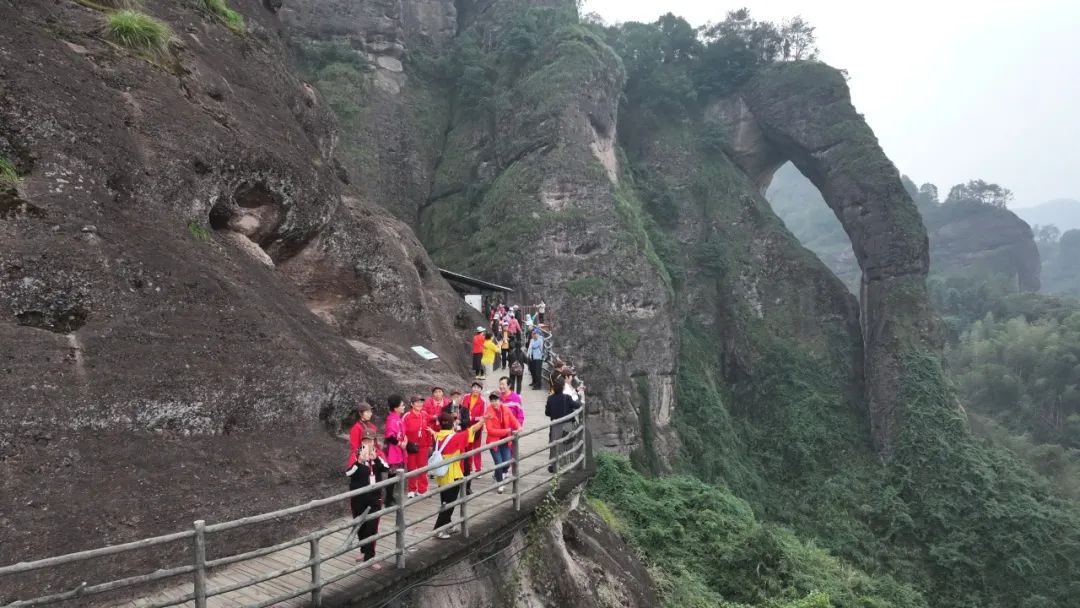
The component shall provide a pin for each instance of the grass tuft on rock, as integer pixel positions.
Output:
(9, 177)
(139, 32)
(232, 19)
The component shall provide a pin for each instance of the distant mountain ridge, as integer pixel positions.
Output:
(1061, 212)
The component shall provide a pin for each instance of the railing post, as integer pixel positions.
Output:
(316, 573)
(515, 468)
(587, 463)
(464, 507)
(200, 563)
(401, 489)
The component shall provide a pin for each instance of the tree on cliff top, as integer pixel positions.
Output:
(980, 192)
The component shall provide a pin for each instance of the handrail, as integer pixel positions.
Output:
(572, 451)
(395, 483)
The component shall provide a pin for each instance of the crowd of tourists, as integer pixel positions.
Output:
(450, 424)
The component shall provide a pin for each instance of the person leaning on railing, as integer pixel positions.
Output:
(501, 423)
(367, 468)
(559, 405)
(450, 444)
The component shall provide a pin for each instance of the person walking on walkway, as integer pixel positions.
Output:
(474, 403)
(491, 349)
(516, 368)
(511, 400)
(478, 353)
(418, 431)
(559, 405)
(451, 443)
(366, 468)
(501, 423)
(394, 440)
(536, 360)
(540, 309)
(504, 346)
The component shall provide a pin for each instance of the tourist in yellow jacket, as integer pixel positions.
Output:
(491, 350)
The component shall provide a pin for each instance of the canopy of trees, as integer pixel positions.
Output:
(980, 192)
(1024, 375)
(671, 65)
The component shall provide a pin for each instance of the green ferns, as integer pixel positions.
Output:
(139, 32)
(9, 177)
(232, 19)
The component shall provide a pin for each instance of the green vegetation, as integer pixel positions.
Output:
(1059, 252)
(673, 67)
(9, 177)
(232, 19)
(139, 32)
(1024, 375)
(625, 341)
(711, 549)
(200, 232)
(587, 286)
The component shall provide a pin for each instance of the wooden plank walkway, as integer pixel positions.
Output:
(482, 510)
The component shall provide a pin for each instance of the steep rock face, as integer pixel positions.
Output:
(572, 561)
(528, 195)
(355, 51)
(976, 239)
(803, 112)
(153, 354)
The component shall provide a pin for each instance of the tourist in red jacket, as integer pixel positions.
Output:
(501, 423)
(434, 405)
(418, 444)
(474, 402)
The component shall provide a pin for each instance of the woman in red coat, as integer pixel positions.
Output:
(418, 443)
(474, 402)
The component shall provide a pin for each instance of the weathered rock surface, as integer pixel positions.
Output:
(527, 195)
(186, 302)
(802, 112)
(977, 239)
(354, 50)
(573, 561)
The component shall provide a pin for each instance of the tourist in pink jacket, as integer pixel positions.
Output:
(511, 400)
(394, 439)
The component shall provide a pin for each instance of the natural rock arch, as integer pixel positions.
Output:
(801, 112)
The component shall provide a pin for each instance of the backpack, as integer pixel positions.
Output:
(437, 458)
(516, 369)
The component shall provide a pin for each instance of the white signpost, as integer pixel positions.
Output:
(426, 354)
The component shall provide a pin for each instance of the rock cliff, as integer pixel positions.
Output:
(971, 239)
(190, 294)
(802, 112)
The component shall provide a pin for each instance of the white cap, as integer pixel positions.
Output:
(479, 329)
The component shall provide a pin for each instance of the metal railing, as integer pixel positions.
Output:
(570, 454)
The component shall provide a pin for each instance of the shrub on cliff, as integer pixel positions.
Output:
(9, 177)
(138, 32)
(232, 19)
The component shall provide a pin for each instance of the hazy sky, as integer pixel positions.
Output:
(953, 92)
